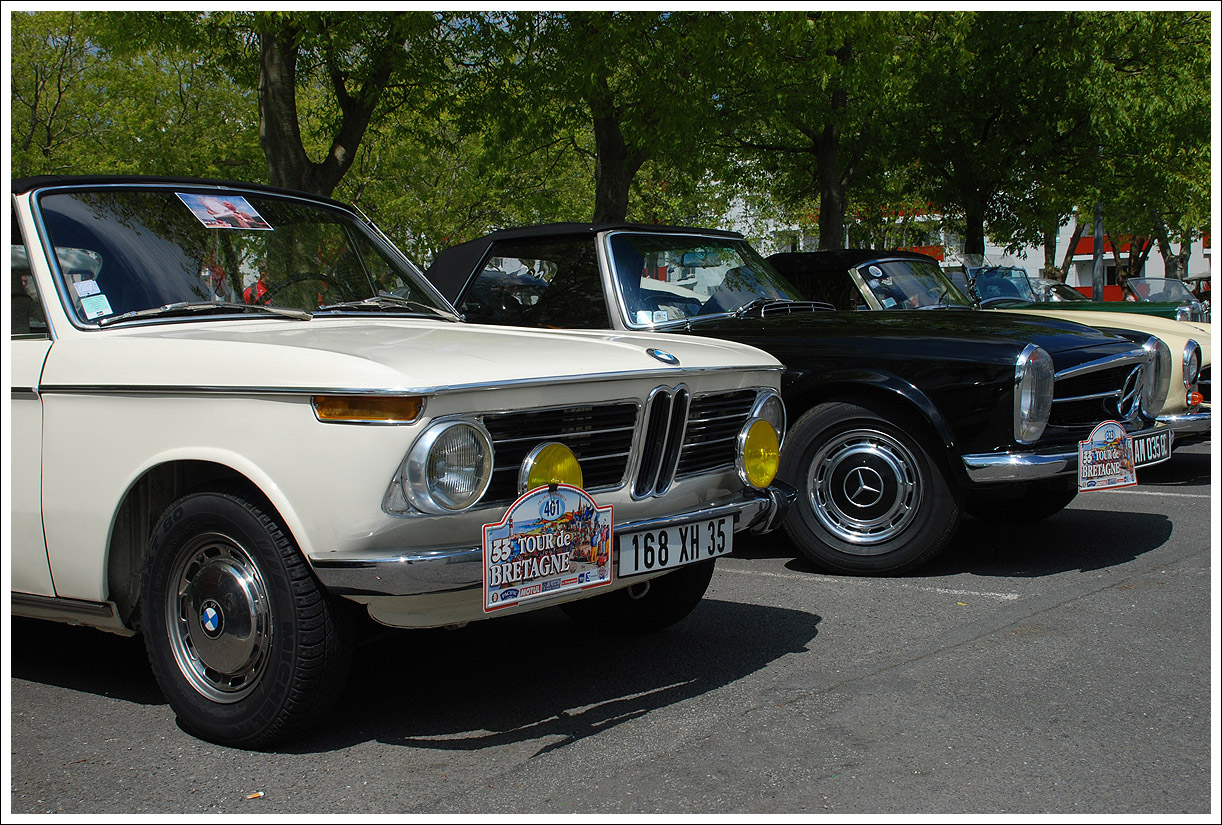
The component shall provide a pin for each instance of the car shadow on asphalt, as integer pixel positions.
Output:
(534, 677)
(1183, 469)
(1074, 539)
(541, 678)
(84, 660)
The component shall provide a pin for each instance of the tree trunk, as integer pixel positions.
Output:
(973, 217)
(832, 200)
(1049, 269)
(615, 164)
(1067, 261)
(279, 131)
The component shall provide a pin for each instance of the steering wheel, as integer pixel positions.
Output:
(266, 297)
(1002, 300)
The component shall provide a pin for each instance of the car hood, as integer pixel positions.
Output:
(996, 337)
(363, 354)
(1170, 330)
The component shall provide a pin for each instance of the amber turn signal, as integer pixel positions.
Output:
(368, 409)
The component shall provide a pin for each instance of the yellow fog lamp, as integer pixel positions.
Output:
(368, 409)
(549, 463)
(759, 453)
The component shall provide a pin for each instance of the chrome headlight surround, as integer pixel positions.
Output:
(447, 469)
(1034, 381)
(1192, 363)
(771, 408)
(1158, 380)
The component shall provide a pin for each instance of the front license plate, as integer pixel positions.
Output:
(1151, 448)
(648, 550)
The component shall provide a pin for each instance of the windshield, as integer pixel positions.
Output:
(1058, 291)
(909, 284)
(1159, 289)
(996, 282)
(667, 278)
(128, 251)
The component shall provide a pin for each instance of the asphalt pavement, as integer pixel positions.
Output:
(1060, 668)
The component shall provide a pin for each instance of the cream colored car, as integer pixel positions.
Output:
(238, 414)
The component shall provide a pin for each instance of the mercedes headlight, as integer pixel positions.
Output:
(1158, 379)
(1192, 363)
(1034, 377)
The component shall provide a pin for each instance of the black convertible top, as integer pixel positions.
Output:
(454, 266)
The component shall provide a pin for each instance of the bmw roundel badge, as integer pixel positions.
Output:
(663, 356)
(210, 618)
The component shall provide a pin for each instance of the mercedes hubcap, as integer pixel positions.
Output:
(864, 487)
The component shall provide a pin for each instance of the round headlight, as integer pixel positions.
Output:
(770, 408)
(449, 467)
(1033, 387)
(759, 453)
(550, 463)
(1192, 362)
(1158, 377)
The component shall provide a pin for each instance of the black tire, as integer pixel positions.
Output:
(646, 607)
(1023, 504)
(872, 499)
(245, 645)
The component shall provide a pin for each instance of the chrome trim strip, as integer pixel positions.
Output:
(23, 393)
(986, 468)
(102, 615)
(417, 572)
(1092, 397)
(183, 389)
(1138, 355)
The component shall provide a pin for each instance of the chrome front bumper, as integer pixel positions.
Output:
(1185, 425)
(421, 571)
(989, 468)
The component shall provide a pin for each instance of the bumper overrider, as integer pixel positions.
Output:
(985, 468)
(419, 571)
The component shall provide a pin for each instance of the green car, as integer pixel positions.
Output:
(1010, 287)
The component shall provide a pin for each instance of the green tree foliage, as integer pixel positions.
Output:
(811, 104)
(620, 88)
(78, 107)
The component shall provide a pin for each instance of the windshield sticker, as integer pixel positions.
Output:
(659, 316)
(552, 540)
(887, 302)
(644, 316)
(86, 288)
(875, 271)
(1105, 460)
(224, 212)
(95, 306)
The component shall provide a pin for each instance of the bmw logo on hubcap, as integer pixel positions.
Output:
(211, 619)
(663, 356)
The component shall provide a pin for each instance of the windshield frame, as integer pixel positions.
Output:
(949, 287)
(348, 220)
(613, 284)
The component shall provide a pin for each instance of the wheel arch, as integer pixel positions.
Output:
(872, 388)
(143, 504)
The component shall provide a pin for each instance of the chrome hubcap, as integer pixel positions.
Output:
(864, 487)
(219, 618)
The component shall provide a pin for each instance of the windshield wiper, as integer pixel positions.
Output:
(200, 307)
(384, 302)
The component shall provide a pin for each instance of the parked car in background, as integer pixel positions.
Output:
(903, 420)
(1164, 292)
(1199, 285)
(1013, 286)
(239, 413)
(910, 279)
